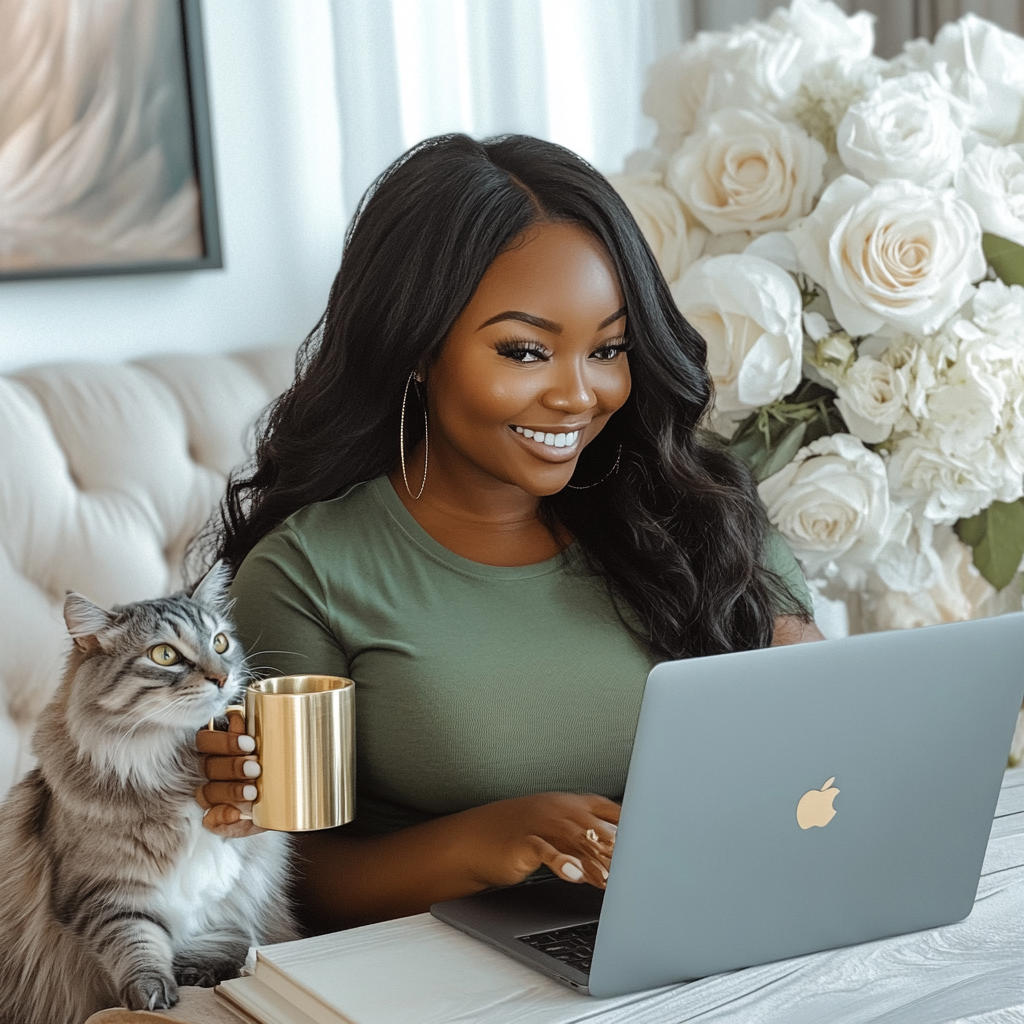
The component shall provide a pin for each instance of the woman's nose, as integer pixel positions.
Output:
(570, 391)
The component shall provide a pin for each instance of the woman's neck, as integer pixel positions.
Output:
(493, 525)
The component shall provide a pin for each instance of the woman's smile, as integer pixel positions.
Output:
(556, 443)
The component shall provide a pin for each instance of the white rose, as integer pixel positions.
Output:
(827, 33)
(991, 182)
(831, 504)
(917, 367)
(949, 487)
(896, 256)
(966, 410)
(662, 220)
(871, 399)
(959, 592)
(902, 129)
(746, 171)
(754, 65)
(981, 66)
(827, 91)
(998, 309)
(748, 312)
(908, 562)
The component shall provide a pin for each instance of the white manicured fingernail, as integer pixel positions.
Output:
(249, 793)
(244, 817)
(573, 873)
(604, 874)
(246, 743)
(251, 769)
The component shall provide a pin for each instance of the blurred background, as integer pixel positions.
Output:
(311, 99)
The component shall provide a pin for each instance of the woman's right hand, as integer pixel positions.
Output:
(508, 840)
(232, 769)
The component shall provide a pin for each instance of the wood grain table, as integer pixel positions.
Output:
(972, 971)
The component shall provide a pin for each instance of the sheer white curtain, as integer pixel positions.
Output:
(567, 70)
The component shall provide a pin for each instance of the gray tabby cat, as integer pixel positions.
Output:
(111, 890)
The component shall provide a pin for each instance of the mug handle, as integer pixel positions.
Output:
(240, 708)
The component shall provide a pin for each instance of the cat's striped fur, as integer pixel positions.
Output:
(111, 891)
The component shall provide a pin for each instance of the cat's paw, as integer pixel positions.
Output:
(206, 974)
(150, 991)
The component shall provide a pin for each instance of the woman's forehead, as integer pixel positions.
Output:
(553, 270)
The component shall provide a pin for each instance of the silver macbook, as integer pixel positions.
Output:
(784, 801)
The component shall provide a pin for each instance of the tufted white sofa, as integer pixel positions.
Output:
(106, 473)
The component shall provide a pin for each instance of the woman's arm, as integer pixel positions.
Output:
(792, 629)
(359, 880)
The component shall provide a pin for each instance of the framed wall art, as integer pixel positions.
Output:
(106, 164)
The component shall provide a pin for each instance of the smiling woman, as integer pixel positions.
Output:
(487, 500)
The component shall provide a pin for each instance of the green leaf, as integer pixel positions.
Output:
(751, 450)
(1006, 258)
(997, 537)
(788, 446)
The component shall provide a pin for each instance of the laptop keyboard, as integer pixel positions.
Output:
(573, 946)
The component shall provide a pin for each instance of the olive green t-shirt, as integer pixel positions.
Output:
(474, 682)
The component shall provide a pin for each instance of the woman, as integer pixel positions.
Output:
(486, 499)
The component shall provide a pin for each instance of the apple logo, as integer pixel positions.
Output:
(815, 806)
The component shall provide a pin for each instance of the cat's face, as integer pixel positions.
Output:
(167, 664)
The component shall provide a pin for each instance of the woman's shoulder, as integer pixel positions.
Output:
(322, 529)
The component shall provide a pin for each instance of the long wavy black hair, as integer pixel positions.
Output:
(678, 532)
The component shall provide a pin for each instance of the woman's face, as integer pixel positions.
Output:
(535, 365)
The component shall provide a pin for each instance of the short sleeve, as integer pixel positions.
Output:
(280, 612)
(779, 559)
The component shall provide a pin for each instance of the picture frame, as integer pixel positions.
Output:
(170, 179)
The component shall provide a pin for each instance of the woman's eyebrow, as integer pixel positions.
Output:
(545, 325)
(527, 318)
(608, 321)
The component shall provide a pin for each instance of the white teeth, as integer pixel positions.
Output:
(564, 440)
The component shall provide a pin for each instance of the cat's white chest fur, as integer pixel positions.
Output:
(208, 869)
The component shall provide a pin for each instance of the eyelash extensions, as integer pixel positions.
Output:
(516, 348)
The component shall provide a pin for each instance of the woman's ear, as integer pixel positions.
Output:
(85, 621)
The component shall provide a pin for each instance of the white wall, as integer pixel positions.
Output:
(275, 133)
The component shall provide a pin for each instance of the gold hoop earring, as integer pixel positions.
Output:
(611, 472)
(401, 439)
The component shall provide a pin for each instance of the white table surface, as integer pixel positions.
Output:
(972, 971)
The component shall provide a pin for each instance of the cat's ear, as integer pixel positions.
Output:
(212, 590)
(84, 620)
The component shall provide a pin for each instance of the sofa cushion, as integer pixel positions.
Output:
(106, 473)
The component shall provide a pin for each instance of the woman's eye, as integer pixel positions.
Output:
(521, 351)
(220, 643)
(164, 654)
(606, 353)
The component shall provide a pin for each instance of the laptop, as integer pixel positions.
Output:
(780, 802)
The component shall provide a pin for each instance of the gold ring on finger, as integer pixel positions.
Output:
(593, 836)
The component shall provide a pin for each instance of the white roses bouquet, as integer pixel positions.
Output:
(846, 233)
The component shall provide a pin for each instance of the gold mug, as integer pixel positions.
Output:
(304, 728)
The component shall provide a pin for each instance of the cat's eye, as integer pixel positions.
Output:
(220, 643)
(164, 654)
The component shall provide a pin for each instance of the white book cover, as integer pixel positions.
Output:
(415, 970)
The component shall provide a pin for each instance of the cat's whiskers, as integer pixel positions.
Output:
(154, 714)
